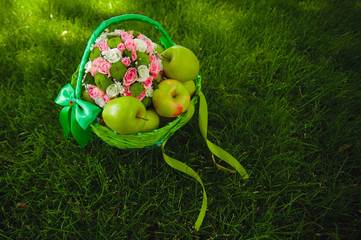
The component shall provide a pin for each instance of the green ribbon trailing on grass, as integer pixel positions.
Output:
(219, 152)
(178, 165)
(76, 115)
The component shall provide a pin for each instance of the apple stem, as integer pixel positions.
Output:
(165, 58)
(145, 119)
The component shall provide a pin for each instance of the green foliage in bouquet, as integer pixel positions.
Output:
(118, 70)
(147, 101)
(89, 79)
(114, 42)
(95, 53)
(102, 81)
(136, 89)
(143, 59)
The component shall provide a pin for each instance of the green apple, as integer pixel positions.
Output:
(180, 63)
(125, 115)
(190, 86)
(171, 98)
(153, 121)
(159, 49)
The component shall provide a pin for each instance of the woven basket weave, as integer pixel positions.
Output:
(139, 140)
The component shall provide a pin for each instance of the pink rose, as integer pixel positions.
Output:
(97, 62)
(155, 75)
(149, 47)
(130, 76)
(152, 58)
(147, 84)
(126, 36)
(127, 91)
(121, 47)
(126, 61)
(106, 98)
(134, 55)
(130, 45)
(100, 65)
(94, 71)
(141, 96)
(95, 92)
(154, 67)
(141, 36)
(104, 67)
(103, 46)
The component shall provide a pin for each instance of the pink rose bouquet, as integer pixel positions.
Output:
(122, 63)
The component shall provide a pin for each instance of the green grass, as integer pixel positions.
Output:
(282, 81)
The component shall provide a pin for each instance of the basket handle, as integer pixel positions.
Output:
(165, 40)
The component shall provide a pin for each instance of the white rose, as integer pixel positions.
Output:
(142, 79)
(160, 63)
(112, 90)
(154, 45)
(118, 32)
(141, 45)
(112, 55)
(88, 66)
(100, 102)
(149, 92)
(120, 87)
(101, 38)
(143, 71)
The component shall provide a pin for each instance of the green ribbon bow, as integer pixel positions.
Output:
(76, 115)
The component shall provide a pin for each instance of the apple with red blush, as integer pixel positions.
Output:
(171, 99)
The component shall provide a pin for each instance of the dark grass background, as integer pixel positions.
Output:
(282, 81)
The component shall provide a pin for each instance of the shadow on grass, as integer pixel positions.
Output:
(333, 31)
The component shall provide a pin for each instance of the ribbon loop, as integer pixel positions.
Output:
(65, 95)
(85, 112)
(216, 150)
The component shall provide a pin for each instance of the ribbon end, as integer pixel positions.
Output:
(182, 167)
(80, 135)
(64, 119)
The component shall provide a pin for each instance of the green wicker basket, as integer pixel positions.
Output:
(139, 140)
(79, 117)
